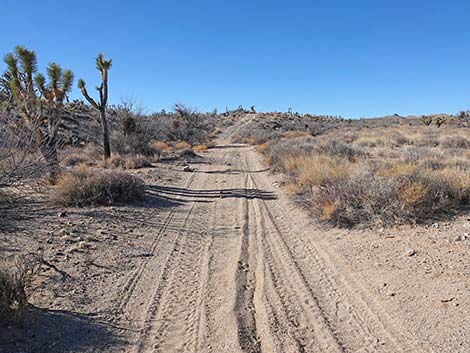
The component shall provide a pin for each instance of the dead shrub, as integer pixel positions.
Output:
(456, 142)
(84, 186)
(137, 162)
(15, 276)
(295, 133)
(182, 145)
(279, 150)
(74, 159)
(115, 161)
(200, 148)
(339, 149)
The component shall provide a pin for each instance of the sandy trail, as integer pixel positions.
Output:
(238, 269)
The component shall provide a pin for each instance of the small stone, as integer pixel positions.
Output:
(435, 225)
(462, 237)
(410, 252)
(62, 214)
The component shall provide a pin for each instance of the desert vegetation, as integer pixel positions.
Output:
(377, 176)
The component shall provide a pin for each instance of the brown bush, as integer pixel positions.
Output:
(84, 186)
(182, 145)
(15, 276)
(74, 159)
(160, 146)
(137, 162)
(200, 148)
(405, 176)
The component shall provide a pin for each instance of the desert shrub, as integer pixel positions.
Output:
(397, 139)
(339, 149)
(272, 126)
(371, 199)
(428, 140)
(295, 133)
(185, 124)
(313, 170)
(74, 159)
(277, 150)
(160, 146)
(137, 162)
(84, 186)
(12, 294)
(456, 142)
(200, 148)
(115, 161)
(20, 160)
(134, 143)
(182, 145)
(15, 276)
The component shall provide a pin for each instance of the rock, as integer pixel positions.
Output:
(462, 237)
(435, 225)
(62, 214)
(187, 168)
(410, 252)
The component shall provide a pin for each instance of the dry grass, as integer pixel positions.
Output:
(74, 159)
(384, 176)
(249, 140)
(125, 162)
(160, 146)
(295, 133)
(137, 162)
(182, 145)
(15, 276)
(200, 148)
(84, 186)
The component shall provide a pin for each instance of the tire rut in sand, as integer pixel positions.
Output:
(355, 321)
(170, 322)
(245, 280)
(136, 275)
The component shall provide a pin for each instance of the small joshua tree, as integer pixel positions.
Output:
(440, 120)
(103, 67)
(426, 120)
(40, 105)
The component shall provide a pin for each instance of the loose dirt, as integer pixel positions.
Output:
(221, 260)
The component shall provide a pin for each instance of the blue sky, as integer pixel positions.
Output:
(351, 58)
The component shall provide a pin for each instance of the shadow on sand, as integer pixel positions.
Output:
(42, 331)
(205, 195)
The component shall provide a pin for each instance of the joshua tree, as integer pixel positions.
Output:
(103, 66)
(440, 120)
(426, 120)
(39, 104)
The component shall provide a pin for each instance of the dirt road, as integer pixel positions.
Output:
(237, 268)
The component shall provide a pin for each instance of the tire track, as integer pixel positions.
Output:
(135, 277)
(245, 280)
(175, 287)
(331, 297)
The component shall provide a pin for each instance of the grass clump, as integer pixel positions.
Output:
(376, 176)
(15, 277)
(182, 145)
(84, 186)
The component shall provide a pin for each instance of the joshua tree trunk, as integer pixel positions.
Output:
(106, 145)
(103, 66)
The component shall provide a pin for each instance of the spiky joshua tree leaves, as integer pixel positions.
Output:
(39, 103)
(103, 66)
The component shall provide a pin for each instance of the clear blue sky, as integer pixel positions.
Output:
(348, 57)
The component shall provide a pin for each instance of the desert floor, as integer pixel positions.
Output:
(219, 259)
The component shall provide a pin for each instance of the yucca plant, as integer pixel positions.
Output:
(39, 104)
(103, 66)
